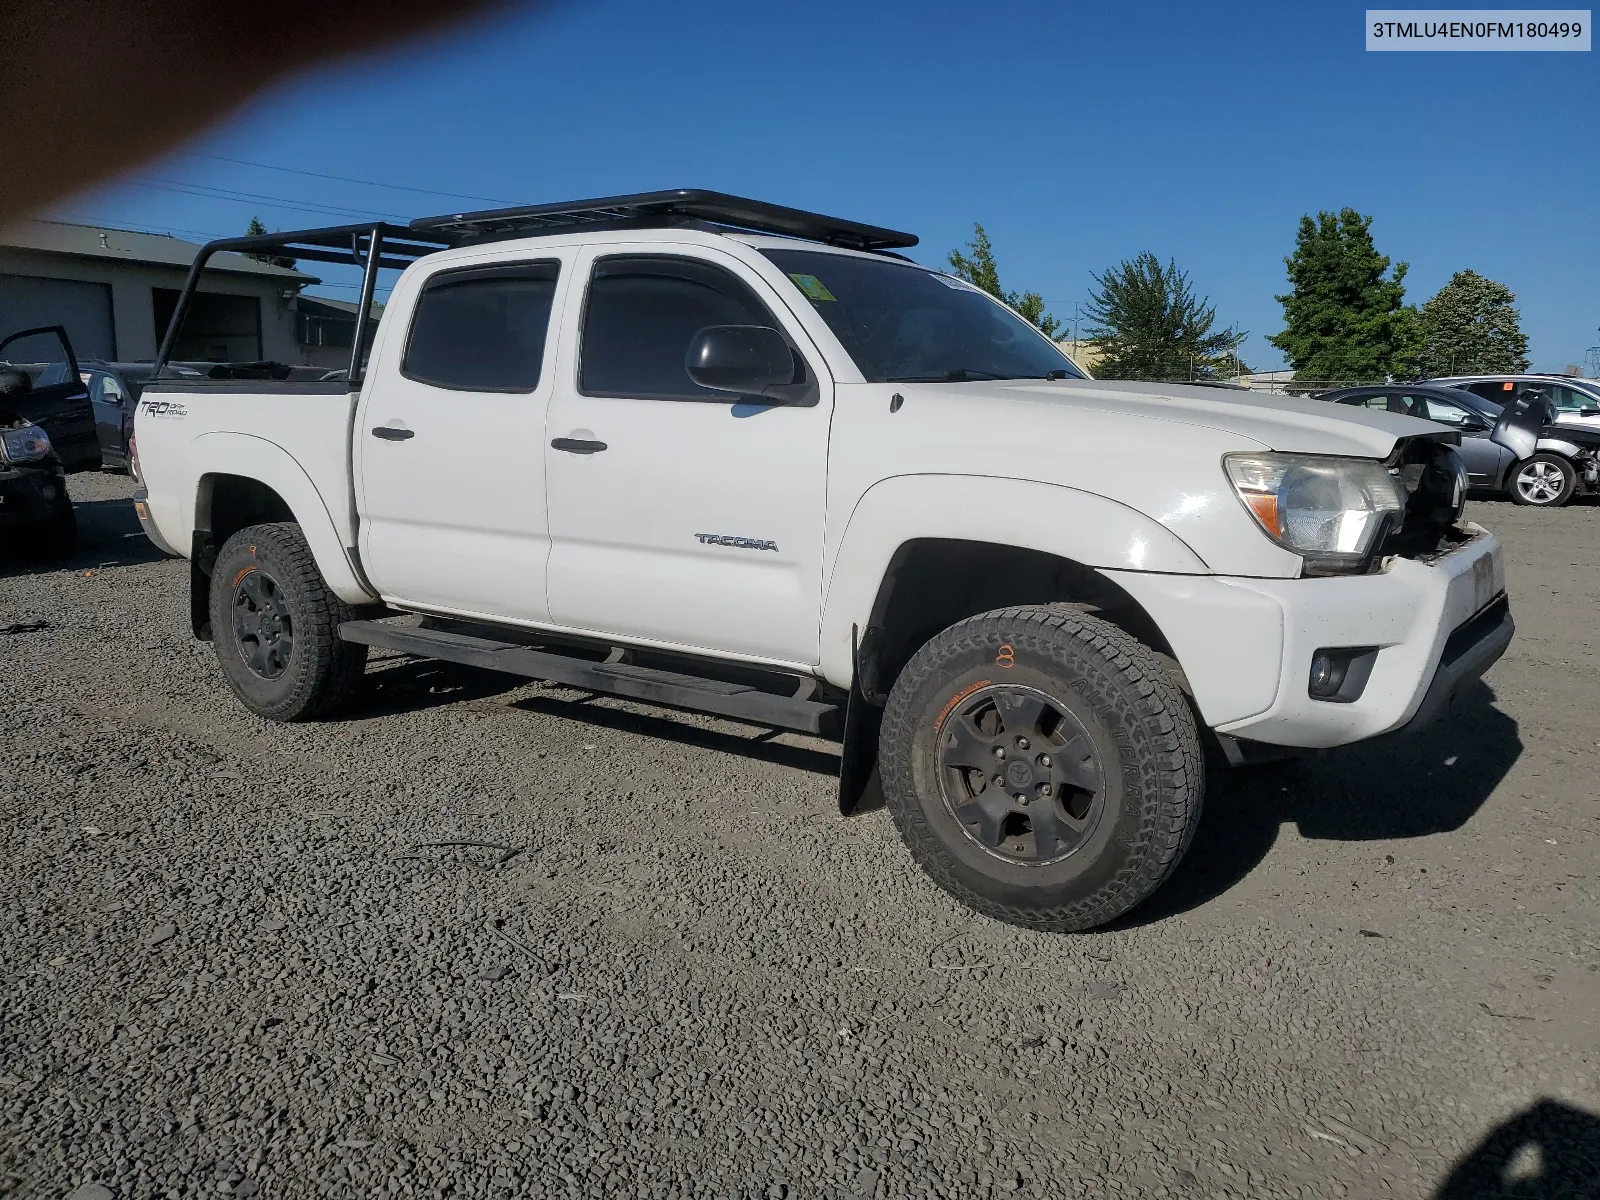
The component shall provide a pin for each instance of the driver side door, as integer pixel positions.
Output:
(680, 515)
(58, 401)
(1483, 459)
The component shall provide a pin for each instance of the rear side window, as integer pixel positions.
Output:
(1500, 391)
(482, 330)
(641, 315)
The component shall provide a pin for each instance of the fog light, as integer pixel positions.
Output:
(48, 491)
(1327, 674)
(1339, 674)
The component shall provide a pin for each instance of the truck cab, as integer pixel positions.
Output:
(735, 457)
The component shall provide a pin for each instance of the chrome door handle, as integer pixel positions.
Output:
(390, 433)
(577, 445)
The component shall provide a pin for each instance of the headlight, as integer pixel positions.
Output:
(1328, 509)
(24, 444)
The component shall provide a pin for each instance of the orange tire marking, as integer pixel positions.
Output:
(955, 700)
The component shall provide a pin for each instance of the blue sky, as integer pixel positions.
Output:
(1078, 135)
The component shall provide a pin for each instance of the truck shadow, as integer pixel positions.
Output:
(1425, 783)
(109, 535)
(1549, 1151)
(404, 684)
(755, 744)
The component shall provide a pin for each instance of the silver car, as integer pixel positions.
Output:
(1547, 474)
(1576, 401)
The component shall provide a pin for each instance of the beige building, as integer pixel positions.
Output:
(1084, 354)
(115, 290)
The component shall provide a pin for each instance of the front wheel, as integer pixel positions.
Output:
(275, 624)
(1543, 481)
(1042, 766)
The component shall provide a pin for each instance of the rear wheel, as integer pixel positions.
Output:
(1543, 481)
(1042, 766)
(275, 625)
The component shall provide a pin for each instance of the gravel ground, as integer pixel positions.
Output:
(488, 939)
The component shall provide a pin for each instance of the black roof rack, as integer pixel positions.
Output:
(647, 209)
(399, 246)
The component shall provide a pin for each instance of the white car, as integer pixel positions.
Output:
(719, 454)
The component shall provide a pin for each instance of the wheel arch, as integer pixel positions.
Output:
(256, 481)
(919, 554)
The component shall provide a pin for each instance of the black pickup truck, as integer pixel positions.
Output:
(46, 430)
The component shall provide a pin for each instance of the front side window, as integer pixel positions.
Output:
(641, 315)
(1380, 401)
(1571, 400)
(902, 323)
(1431, 408)
(482, 330)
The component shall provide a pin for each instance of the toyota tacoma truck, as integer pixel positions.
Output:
(728, 456)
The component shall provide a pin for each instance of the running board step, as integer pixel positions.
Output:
(670, 688)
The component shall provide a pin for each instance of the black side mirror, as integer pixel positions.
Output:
(1589, 412)
(1472, 423)
(748, 359)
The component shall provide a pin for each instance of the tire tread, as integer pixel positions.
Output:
(1170, 809)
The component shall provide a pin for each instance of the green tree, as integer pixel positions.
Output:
(257, 229)
(978, 268)
(1471, 325)
(1345, 317)
(1147, 323)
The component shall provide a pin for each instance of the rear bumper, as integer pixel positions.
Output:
(1436, 626)
(141, 506)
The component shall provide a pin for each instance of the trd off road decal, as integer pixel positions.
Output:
(163, 408)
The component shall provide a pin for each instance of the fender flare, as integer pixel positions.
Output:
(270, 464)
(1554, 445)
(1086, 528)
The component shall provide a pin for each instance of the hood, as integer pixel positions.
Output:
(1258, 419)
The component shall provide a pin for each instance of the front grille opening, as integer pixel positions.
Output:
(1428, 469)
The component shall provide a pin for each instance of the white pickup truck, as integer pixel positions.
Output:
(742, 459)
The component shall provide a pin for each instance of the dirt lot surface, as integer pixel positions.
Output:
(490, 939)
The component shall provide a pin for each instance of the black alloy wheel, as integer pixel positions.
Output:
(1018, 772)
(262, 623)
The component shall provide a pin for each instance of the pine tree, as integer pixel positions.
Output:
(1345, 318)
(1471, 326)
(978, 268)
(257, 229)
(1147, 323)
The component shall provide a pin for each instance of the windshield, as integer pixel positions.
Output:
(903, 324)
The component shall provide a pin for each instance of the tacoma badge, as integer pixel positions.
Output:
(740, 543)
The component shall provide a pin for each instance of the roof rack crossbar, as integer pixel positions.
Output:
(669, 207)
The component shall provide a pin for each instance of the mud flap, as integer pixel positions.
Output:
(859, 787)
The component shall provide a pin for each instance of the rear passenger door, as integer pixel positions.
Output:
(449, 441)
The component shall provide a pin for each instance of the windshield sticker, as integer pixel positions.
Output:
(813, 287)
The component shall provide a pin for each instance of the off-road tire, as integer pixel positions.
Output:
(321, 672)
(1145, 744)
(1549, 463)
